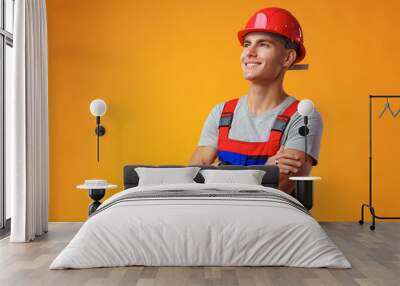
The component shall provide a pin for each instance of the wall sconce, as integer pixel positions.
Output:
(98, 108)
(305, 108)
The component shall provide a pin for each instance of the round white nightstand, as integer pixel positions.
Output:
(304, 190)
(97, 190)
(304, 178)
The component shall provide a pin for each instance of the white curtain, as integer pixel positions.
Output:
(27, 123)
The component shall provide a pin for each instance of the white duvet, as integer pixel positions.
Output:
(200, 231)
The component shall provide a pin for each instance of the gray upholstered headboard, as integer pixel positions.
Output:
(270, 179)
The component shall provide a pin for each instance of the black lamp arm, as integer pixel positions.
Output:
(100, 131)
(305, 120)
(303, 131)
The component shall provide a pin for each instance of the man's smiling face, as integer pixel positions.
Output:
(263, 57)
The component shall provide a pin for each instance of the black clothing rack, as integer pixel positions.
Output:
(369, 205)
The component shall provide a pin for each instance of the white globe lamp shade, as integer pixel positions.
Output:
(98, 107)
(305, 107)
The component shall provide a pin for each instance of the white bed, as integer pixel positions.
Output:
(269, 229)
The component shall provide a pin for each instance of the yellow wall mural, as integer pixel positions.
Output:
(162, 65)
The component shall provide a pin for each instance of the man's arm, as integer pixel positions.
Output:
(293, 163)
(206, 150)
(304, 169)
(203, 155)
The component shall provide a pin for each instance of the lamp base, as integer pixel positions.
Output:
(100, 130)
(96, 195)
(305, 193)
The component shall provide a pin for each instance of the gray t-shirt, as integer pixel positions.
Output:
(248, 127)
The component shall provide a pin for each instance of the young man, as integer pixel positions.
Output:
(262, 127)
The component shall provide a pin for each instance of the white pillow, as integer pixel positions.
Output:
(248, 177)
(164, 176)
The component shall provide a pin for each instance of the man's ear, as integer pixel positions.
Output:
(289, 58)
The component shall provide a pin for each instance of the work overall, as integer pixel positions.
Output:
(235, 152)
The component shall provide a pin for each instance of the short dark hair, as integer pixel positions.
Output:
(286, 42)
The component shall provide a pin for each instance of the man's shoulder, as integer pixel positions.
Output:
(217, 109)
(291, 100)
(314, 119)
(315, 114)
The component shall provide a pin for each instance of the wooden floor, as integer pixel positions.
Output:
(375, 257)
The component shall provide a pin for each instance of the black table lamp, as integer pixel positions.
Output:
(98, 108)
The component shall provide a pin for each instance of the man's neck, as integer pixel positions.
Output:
(262, 98)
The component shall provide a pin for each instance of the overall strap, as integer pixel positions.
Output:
(226, 118)
(280, 124)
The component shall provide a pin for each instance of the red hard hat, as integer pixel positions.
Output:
(278, 21)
